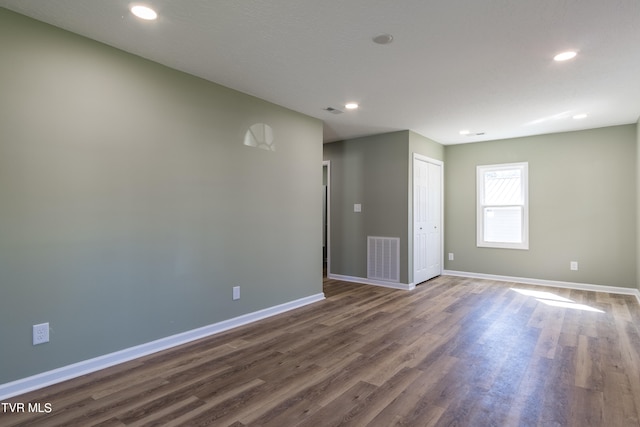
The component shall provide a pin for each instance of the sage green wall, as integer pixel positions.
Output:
(582, 206)
(129, 206)
(426, 147)
(371, 171)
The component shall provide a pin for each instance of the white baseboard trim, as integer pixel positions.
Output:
(542, 282)
(364, 281)
(75, 370)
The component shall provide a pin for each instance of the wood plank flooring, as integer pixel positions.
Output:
(453, 352)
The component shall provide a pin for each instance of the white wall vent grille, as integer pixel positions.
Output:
(383, 258)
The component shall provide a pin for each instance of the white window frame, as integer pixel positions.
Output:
(481, 170)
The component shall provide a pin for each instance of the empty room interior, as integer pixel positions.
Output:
(305, 213)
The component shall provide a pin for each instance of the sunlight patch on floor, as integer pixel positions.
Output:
(554, 300)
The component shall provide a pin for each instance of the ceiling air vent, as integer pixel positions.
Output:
(333, 110)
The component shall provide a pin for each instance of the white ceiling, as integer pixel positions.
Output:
(485, 66)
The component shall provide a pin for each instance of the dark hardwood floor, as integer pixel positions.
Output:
(453, 352)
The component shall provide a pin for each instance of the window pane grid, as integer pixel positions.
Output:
(503, 187)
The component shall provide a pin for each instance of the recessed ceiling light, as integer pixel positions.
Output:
(383, 39)
(144, 12)
(580, 116)
(563, 56)
(351, 106)
(465, 132)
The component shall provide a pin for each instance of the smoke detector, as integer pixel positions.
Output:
(383, 39)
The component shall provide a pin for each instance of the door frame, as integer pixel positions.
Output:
(327, 164)
(414, 158)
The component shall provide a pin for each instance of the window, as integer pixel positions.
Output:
(503, 206)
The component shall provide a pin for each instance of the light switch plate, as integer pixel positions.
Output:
(357, 207)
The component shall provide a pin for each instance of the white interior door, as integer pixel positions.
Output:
(427, 219)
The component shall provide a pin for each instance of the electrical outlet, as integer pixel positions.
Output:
(40, 333)
(573, 265)
(236, 293)
(450, 256)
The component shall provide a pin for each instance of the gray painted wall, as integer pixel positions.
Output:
(376, 172)
(582, 206)
(370, 171)
(129, 206)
